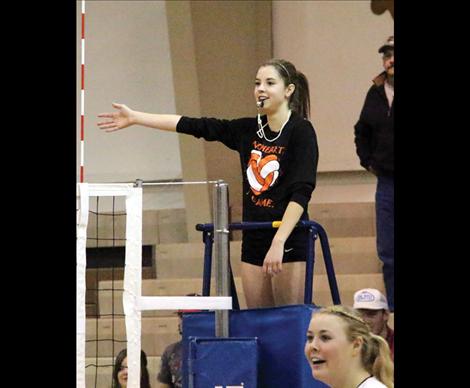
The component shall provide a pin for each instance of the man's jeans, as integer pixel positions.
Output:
(384, 208)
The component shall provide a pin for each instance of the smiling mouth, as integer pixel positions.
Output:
(318, 362)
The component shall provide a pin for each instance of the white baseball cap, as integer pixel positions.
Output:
(370, 299)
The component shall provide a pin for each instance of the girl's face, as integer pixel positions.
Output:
(122, 374)
(270, 87)
(328, 350)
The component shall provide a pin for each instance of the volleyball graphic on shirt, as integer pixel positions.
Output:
(262, 173)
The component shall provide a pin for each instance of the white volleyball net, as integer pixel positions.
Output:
(110, 219)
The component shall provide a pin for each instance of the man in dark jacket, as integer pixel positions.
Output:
(374, 146)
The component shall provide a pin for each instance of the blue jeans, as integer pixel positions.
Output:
(384, 209)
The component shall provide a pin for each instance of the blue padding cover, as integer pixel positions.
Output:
(281, 333)
(223, 362)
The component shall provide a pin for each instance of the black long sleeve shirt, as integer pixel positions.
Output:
(294, 156)
(274, 173)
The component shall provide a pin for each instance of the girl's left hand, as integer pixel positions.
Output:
(272, 264)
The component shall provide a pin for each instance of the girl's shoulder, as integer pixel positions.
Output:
(372, 382)
(302, 129)
(243, 124)
(243, 121)
(301, 122)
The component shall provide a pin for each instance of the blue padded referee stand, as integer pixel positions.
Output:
(280, 333)
(222, 362)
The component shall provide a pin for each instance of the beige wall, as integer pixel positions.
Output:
(231, 39)
(126, 60)
(199, 58)
(215, 49)
(186, 86)
(335, 44)
(191, 58)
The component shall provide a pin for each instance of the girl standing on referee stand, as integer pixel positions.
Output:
(344, 353)
(278, 155)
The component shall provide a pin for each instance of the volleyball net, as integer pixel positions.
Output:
(118, 210)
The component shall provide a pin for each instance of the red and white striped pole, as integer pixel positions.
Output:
(82, 99)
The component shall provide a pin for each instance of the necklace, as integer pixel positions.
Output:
(261, 133)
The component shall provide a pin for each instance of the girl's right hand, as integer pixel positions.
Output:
(120, 119)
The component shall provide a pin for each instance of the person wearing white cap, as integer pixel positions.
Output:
(374, 139)
(373, 307)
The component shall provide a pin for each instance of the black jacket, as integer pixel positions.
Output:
(374, 130)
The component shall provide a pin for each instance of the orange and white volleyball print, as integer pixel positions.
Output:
(262, 173)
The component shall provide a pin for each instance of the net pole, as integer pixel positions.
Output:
(82, 98)
(82, 222)
(221, 252)
(133, 285)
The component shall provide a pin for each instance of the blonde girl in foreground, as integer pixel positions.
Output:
(344, 353)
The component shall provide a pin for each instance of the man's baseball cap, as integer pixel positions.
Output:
(370, 299)
(389, 44)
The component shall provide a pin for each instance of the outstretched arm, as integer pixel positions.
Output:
(124, 117)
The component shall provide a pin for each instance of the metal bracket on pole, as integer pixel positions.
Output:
(221, 251)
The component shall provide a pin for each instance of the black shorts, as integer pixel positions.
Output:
(256, 243)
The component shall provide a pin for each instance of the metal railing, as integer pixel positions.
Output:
(315, 230)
